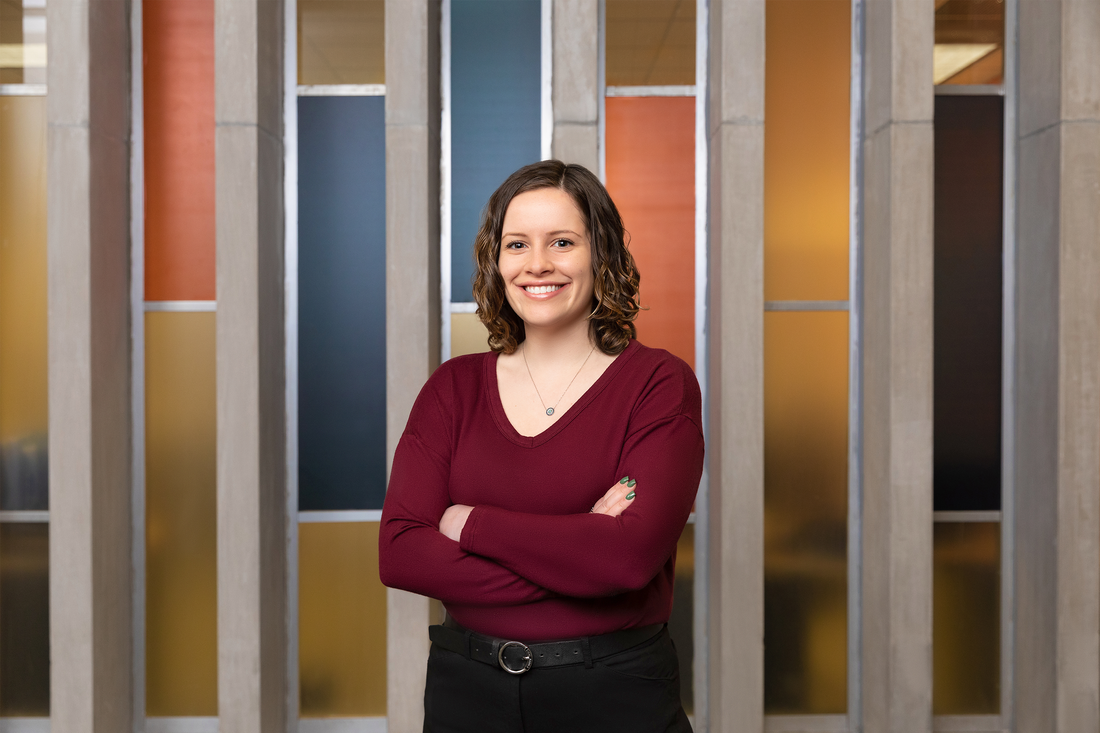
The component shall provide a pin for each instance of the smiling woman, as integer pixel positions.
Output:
(484, 452)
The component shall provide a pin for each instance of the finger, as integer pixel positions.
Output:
(614, 494)
(616, 506)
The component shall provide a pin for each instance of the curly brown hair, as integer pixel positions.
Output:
(615, 303)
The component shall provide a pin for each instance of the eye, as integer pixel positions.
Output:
(561, 243)
(514, 245)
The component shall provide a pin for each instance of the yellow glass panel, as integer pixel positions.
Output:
(970, 38)
(468, 335)
(341, 620)
(806, 144)
(24, 620)
(681, 625)
(650, 42)
(23, 404)
(181, 543)
(22, 42)
(805, 512)
(341, 42)
(966, 618)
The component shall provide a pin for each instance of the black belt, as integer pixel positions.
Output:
(518, 657)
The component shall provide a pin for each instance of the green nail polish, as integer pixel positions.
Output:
(631, 483)
(630, 496)
(624, 479)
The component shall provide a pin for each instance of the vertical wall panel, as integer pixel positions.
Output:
(650, 43)
(651, 177)
(181, 545)
(342, 302)
(806, 144)
(23, 403)
(496, 77)
(179, 149)
(342, 620)
(341, 42)
(24, 620)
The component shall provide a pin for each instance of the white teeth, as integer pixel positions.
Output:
(541, 289)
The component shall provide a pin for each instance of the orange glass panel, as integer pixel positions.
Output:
(966, 618)
(341, 42)
(650, 42)
(341, 620)
(179, 149)
(651, 177)
(970, 39)
(806, 144)
(805, 512)
(22, 42)
(24, 620)
(681, 625)
(180, 493)
(23, 402)
(468, 335)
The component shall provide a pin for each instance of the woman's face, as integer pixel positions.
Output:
(546, 260)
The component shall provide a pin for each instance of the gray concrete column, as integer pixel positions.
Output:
(89, 365)
(1057, 653)
(575, 94)
(412, 297)
(897, 150)
(735, 452)
(252, 502)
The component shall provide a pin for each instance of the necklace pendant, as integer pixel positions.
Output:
(549, 410)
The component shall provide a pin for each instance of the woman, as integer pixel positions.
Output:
(498, 502)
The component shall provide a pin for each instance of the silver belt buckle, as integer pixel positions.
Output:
(527, 659)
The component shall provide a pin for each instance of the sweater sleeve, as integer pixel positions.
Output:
(594, 555)
(413, 554)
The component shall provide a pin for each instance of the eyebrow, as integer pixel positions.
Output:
(551, 234)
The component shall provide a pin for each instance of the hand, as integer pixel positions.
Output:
(453, 520)
(617, 498)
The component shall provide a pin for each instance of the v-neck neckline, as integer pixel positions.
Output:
(496, 405)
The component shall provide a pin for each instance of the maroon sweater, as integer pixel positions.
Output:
(533, 563)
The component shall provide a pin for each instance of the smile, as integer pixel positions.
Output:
(541, 289)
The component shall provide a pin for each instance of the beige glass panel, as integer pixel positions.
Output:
(681, 625)
(970, 39)
(24, 620)
(23, 405)
(341, 620)
(468, 334)
(806, 149)
(650, 42)
(22, 42)
(805, 512)
(181, 543)
(341, 42)
(966, 618)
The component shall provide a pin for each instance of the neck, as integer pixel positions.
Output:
(559, 345)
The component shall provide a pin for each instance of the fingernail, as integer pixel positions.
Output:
(624, 479)
(630, 496)
(631, 483)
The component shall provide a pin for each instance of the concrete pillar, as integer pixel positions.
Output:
(252, 502)
(412, 297)
(1057, 653)
(897, 149)
(89, 367)
(735, 452)
(576, 92)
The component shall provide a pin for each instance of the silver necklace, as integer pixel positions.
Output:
(550, 410)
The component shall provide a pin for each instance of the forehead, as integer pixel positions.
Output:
(549, 209)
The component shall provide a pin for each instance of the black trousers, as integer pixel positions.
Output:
(635, 691)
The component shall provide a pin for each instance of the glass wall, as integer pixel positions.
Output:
(341, 353)
(24, 516)
(806, 347)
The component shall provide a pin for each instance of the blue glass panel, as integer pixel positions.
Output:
(495, 113)
(341, 302)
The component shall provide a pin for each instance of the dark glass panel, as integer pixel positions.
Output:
(341, 42)
(496, 83)
(650, 42)
(22, 41)
(966, 618)
(968, 246)
(970, 36)
(341, 302)
(24, 620)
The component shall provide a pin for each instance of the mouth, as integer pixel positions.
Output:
(542, 289)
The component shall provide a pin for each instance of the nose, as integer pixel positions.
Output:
(539, 263)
